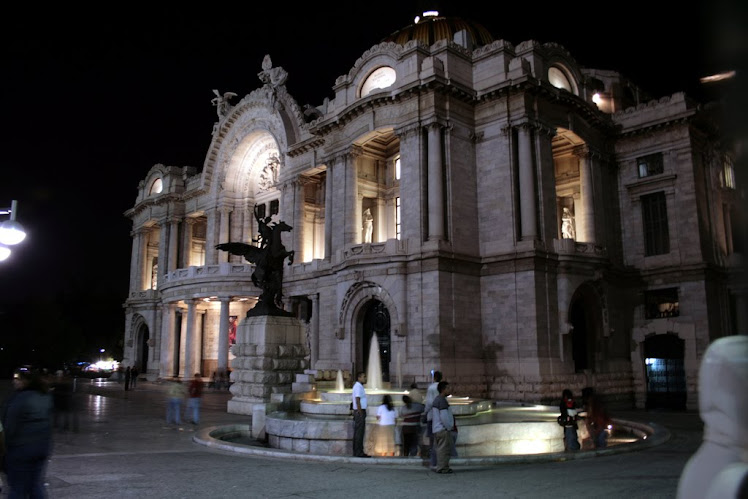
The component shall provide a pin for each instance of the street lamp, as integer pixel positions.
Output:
(11, 231)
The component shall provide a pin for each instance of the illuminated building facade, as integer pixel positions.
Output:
(533, 225)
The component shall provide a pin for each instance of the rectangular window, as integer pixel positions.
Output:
(650, 165)
(261, 210)
(654, 218)
(661, 303)
(274, 207)
(397, 217)
(397, 168)
(728, 174)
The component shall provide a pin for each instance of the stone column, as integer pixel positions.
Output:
(298, 220)
(247, 224)
(586, 219)
(352, 215)
(527, 189)
(166, 366)
(223, 334)
(210, 238)
(328, 210)
(380, 222)
(163, 253)
(189, 336)
(224, 233)
(173, 264)
(197, 342)
(314, 343)
(187, 242)
(435, 183)
(136, 261)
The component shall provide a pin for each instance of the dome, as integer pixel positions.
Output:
(431, 29)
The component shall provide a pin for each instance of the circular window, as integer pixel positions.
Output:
(381, 78)
(558, 78)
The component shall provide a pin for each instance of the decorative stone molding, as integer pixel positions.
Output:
(357, 294)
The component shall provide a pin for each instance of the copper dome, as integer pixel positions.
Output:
(431, 29)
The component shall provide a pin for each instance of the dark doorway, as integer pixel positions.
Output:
(580, 338)
(377, 320)
(142, 362)
(177, 344)
(665, 373)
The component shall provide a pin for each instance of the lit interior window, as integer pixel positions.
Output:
(558, 79)
(157, 186)
(397, 168)
(381, 78)
(397, 217)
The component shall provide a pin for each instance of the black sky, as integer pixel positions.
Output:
(92, 99)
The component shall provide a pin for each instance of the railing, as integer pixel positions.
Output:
(184, 276)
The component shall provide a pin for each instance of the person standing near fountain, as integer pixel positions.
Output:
(384, 437)
(568, 420)
(442, 425)
(411, 411)
(431, 393)
(358, 405)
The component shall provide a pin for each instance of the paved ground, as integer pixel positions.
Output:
(124, 449)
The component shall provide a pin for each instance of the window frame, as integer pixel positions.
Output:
(655, 224)
(653, 164)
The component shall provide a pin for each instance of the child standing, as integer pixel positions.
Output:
(384, 440)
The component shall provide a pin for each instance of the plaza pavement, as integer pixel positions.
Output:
(123, 448)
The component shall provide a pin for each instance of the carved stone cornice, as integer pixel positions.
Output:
(408, 131)
(302, 180)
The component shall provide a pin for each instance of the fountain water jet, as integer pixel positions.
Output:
(374, 370)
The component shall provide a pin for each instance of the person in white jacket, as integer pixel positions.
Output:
(431, 393)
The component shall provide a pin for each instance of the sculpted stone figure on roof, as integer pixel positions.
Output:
(269, 75)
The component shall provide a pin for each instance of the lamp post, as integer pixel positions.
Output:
(11, 231)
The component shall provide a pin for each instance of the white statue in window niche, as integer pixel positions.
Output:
(567, 225)
(368, 225)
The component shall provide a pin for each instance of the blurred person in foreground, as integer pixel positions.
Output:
(27, 423)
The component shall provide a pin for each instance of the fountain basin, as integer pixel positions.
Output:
(502, 429)
(337, 403)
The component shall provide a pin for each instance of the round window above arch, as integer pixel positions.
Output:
(560, 77)
(379, 79)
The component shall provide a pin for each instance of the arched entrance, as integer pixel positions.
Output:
(581, 338)
(586, 319)
(665, 372)
(376, 320)
(141, 361)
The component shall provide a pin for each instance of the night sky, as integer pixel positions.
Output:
(92, 99)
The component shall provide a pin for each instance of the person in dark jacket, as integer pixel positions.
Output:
(28, 435)
(568, 417)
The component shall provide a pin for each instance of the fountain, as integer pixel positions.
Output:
(317, 421)
(297, 416)
(374, 370)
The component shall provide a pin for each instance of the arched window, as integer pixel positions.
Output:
(156, 187)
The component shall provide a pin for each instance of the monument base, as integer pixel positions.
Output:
(270, 351)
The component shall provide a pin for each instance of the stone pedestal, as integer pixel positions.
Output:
(269, 352)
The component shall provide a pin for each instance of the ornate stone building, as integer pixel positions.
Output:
(534, 225)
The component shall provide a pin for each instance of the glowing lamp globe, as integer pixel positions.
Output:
(11, 232)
